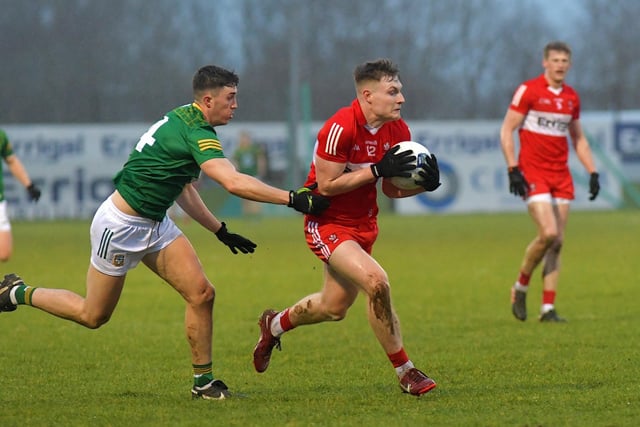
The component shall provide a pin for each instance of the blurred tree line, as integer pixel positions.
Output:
(76, 61)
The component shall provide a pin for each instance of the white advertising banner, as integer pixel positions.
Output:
(74, 165)
(474, 173)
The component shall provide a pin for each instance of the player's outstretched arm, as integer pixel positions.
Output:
(248, 187)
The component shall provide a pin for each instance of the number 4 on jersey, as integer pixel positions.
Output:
(147, 138)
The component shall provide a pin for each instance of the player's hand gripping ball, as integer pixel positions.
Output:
(421, 154)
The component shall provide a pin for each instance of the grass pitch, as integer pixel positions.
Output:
(450, 277)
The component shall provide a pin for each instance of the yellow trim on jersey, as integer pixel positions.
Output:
(209, 144)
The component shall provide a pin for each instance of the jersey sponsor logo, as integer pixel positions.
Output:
(560, 125)
(209, 144)
(331, 146)
(545, 123)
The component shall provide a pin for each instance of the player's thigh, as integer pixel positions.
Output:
(103, 293)
(354, 264)
(543, 215)
(179, 265)
(338, 292)
(561, 211)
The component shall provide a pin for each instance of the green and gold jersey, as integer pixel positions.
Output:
(166, 158)
(5, 151)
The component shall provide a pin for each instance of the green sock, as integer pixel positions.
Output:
(202, 374)
(23, 294)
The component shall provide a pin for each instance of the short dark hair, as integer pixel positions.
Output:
(213, 77)
(557, 46)
(375, 70)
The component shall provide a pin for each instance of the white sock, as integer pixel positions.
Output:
(12, 295)
(275, 326)
(521, 288)
(400, 370)
(547, 307)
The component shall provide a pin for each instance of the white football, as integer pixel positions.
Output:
(421, 152)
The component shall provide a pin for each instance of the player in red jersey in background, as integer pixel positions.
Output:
(545, 111)
(354, 148)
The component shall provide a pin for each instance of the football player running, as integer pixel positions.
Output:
(355, 148)
(132, 224)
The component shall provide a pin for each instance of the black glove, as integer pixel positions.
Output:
(517, 184)
(393, 164)
(235, 241)
(303, 200)
(430, 174)
(594, 185)
(34, 192)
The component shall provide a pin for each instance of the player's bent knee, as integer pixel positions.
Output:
(203, 295)
(556, 245)
(94, 322)
(549, 238)
(5, 256)
(381, 289)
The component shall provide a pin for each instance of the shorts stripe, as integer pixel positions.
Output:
(104, 243)
(312, 228)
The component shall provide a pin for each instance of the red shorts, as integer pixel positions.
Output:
(557, 183)
(323, 238)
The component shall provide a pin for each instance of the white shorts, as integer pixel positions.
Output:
(119, 241)
(546, 197)
(5, 225)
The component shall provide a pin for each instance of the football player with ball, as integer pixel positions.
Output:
(357, 146)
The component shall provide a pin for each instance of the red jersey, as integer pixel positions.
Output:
(346, 138)
(544, 133)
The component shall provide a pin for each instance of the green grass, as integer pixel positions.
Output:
(450, 277)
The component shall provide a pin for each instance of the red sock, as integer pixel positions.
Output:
(399, 358)
(285, 322)
(523, 279)
(548, 297)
